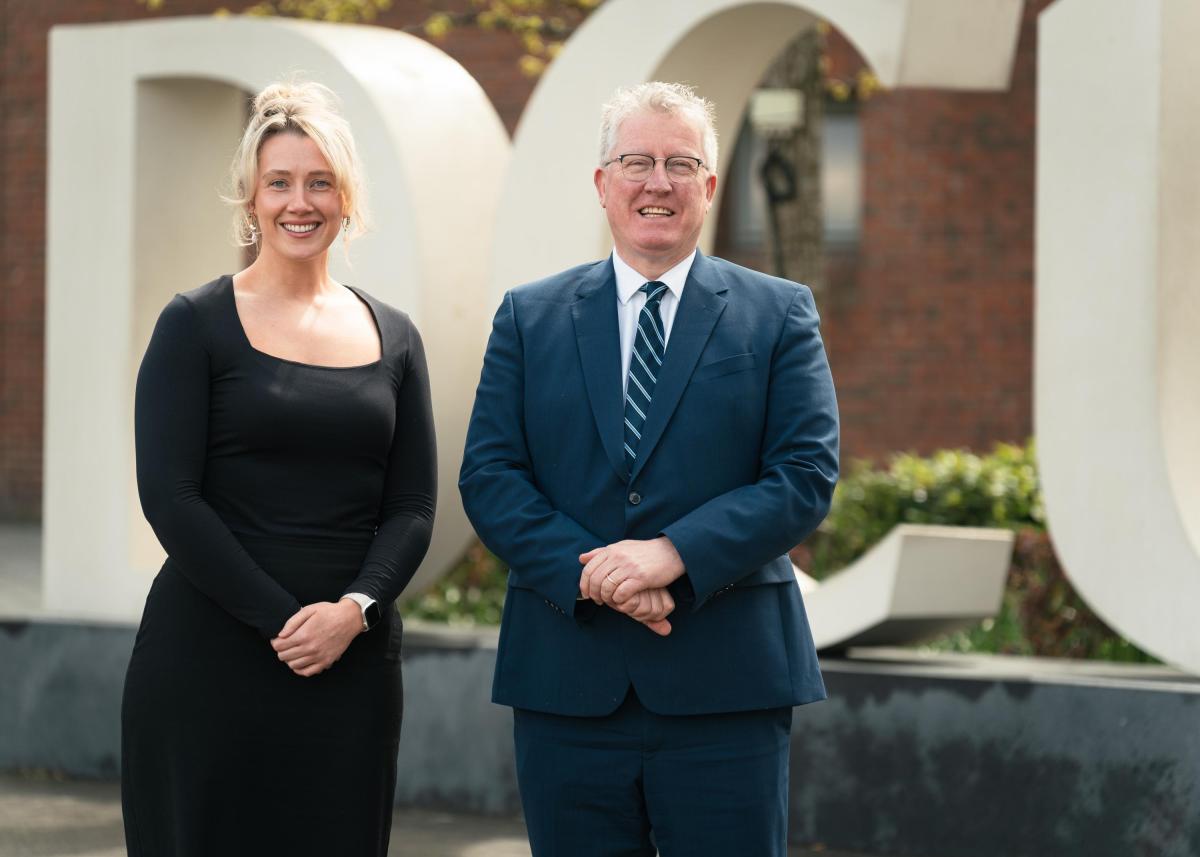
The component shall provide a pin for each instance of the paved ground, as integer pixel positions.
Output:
(45, 818)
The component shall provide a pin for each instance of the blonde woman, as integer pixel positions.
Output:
(285, 459)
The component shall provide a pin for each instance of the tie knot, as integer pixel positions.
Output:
(654, 292)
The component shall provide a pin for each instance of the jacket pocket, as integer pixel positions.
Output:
(724, 366)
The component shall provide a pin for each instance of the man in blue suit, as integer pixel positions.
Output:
(651, 434)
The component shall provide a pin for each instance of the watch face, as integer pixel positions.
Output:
(371, 614)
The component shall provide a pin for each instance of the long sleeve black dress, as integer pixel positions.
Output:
(271, 484)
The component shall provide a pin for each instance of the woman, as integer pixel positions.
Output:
(285, 459)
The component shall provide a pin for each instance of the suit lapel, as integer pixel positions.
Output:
(702, 304)
(599, 340)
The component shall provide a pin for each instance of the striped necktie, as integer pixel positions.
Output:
(649, 345)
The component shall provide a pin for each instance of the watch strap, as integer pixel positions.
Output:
(367, 606)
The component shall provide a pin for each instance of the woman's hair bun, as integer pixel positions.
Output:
(294, 98)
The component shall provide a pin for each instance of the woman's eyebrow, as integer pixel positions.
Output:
(289, 172)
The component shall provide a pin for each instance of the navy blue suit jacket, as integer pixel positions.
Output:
(737, 463)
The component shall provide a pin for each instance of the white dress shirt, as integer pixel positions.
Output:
(630, 302)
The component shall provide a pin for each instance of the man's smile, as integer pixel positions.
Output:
(655, 211)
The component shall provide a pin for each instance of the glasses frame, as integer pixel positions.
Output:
(620, 159)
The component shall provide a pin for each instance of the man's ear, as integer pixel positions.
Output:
(710, 187)
(598, 179)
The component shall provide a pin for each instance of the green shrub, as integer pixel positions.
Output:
(471, 593)
(951, 487)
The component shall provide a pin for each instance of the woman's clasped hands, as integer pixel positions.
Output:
(317, 635)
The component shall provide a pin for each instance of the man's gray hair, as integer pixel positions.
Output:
(675, 99)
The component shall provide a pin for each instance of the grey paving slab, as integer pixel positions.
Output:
(42, 817)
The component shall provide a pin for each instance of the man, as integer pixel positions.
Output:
(651, 434)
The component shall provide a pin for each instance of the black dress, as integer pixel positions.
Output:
(271, 484)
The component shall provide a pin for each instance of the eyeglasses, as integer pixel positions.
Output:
(638, 168)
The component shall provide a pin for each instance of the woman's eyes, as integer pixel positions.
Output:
(317, 184)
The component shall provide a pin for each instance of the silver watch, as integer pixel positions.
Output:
(368, 606)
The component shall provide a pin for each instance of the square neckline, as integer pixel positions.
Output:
(245, 337)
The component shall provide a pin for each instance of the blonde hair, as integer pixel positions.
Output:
(674, 99)
(299, 107)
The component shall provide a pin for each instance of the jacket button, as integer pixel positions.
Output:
(635, 497)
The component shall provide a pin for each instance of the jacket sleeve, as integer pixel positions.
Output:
(739, 531)
(500, 494)
(410, 488)
(171, 437)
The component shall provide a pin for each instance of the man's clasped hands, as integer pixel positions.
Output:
(632, 577)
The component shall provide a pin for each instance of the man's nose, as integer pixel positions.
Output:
(658, 177)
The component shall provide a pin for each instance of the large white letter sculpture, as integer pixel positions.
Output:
(155, 107)
(1118, 311)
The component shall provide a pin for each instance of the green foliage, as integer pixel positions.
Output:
(333, 11)
(951, 487)
(541, 26)
(472, 593)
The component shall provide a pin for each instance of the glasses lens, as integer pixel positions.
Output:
(682, 168)
(637, 167)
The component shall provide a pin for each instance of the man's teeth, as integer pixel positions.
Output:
(293, 227)
(650, 209)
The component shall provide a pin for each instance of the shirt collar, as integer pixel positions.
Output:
(629, 280)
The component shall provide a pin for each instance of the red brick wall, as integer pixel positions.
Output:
(928, 324)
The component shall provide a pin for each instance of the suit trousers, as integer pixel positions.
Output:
(621, 784)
